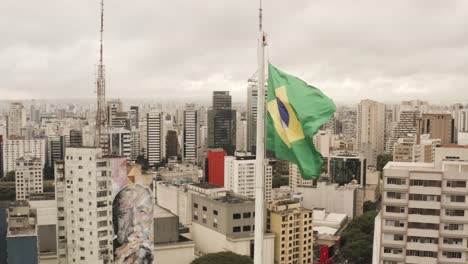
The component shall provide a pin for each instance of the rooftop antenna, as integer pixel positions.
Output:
(101, 121)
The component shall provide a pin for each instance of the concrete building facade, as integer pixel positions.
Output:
(28, 177)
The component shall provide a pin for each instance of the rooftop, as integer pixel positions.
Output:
(415, 165)
(454, 146)
(205, 185)
(160, 212)
(230, 198)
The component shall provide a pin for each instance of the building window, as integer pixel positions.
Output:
(215, 212)
(195, 205)
(204, 208)
(236, 216)
(195, 217)
(246, 228)
(456, 255)
(236, 229)
(247, 215)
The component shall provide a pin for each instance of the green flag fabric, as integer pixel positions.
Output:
(296, 111)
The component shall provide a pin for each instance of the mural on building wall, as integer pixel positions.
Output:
(132, 212)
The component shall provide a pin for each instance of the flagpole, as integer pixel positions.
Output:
(260, 150)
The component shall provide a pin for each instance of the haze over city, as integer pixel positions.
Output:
(389, 51)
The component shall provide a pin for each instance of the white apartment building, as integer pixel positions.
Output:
(371, 125)
(16, 119)
(424, 217)
(28, 177)
(14, 149)
(154, 140)
(84, 201)
(347, 199)
(116, 142)
(190, 137)
(135, 143)
(295, 177)
(239, 175)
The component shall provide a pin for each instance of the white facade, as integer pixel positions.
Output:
(174, 253)
(209, 241)
(295, 177)
(176, 199)
(252, 95)
(87, 210)
(14, 149)
(28, 178)
(16, 119)
(239, 176)
(135, 143)
(154, 140)
(348, 199)
(117, 142)
(371, 125)
(462, 138)
(424, 210)
(190, 137)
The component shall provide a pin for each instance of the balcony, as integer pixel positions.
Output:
(443, 259)
(424, 204)
(424, 218)
(395, 187)
(423, 232)
(451, 247)
(421, 246)
(454, 219)
(455, 205)
(450, 190)
(392, 257)
(425, 190)
(393, 243)
(394, 229)
(453, 233)
(425, 260)
(389, 215)
(392, 201)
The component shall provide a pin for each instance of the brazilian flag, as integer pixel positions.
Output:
(296, 111)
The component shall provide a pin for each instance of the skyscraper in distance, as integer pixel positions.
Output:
(222, 123)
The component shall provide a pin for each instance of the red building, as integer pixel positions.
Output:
(216, 167)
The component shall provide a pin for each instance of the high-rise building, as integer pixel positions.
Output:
(344, 167)
(22, 243)
(295, 177)
(28, 177)
(371, 125)
(293, 229)
(135, 143)
(406, 126)
(15, 149)
(76, 138)
(241, 132)
(55, 149)
(86, 217)
(172, 144)
(215, 167)
(154, 140)
(113, 107)
(60, 192)
(222, 123)
(116, 142)
(190, 137)
(252, 94)
(423, 217)
(16, 119)
(437, 126)
(407, 150)
(134, 116)
(239, 175)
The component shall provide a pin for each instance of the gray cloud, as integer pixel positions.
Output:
(385, 50)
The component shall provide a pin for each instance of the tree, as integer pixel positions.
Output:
(143, 162)
(370, 206)
(382, 160)
(357, 240)
(48, 173)
(9, 177)
(224, 258)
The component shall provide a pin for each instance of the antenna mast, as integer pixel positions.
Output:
(101, 119)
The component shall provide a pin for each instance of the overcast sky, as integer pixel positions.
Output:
(383, 50)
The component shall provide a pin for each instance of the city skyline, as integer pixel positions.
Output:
(406, 50)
